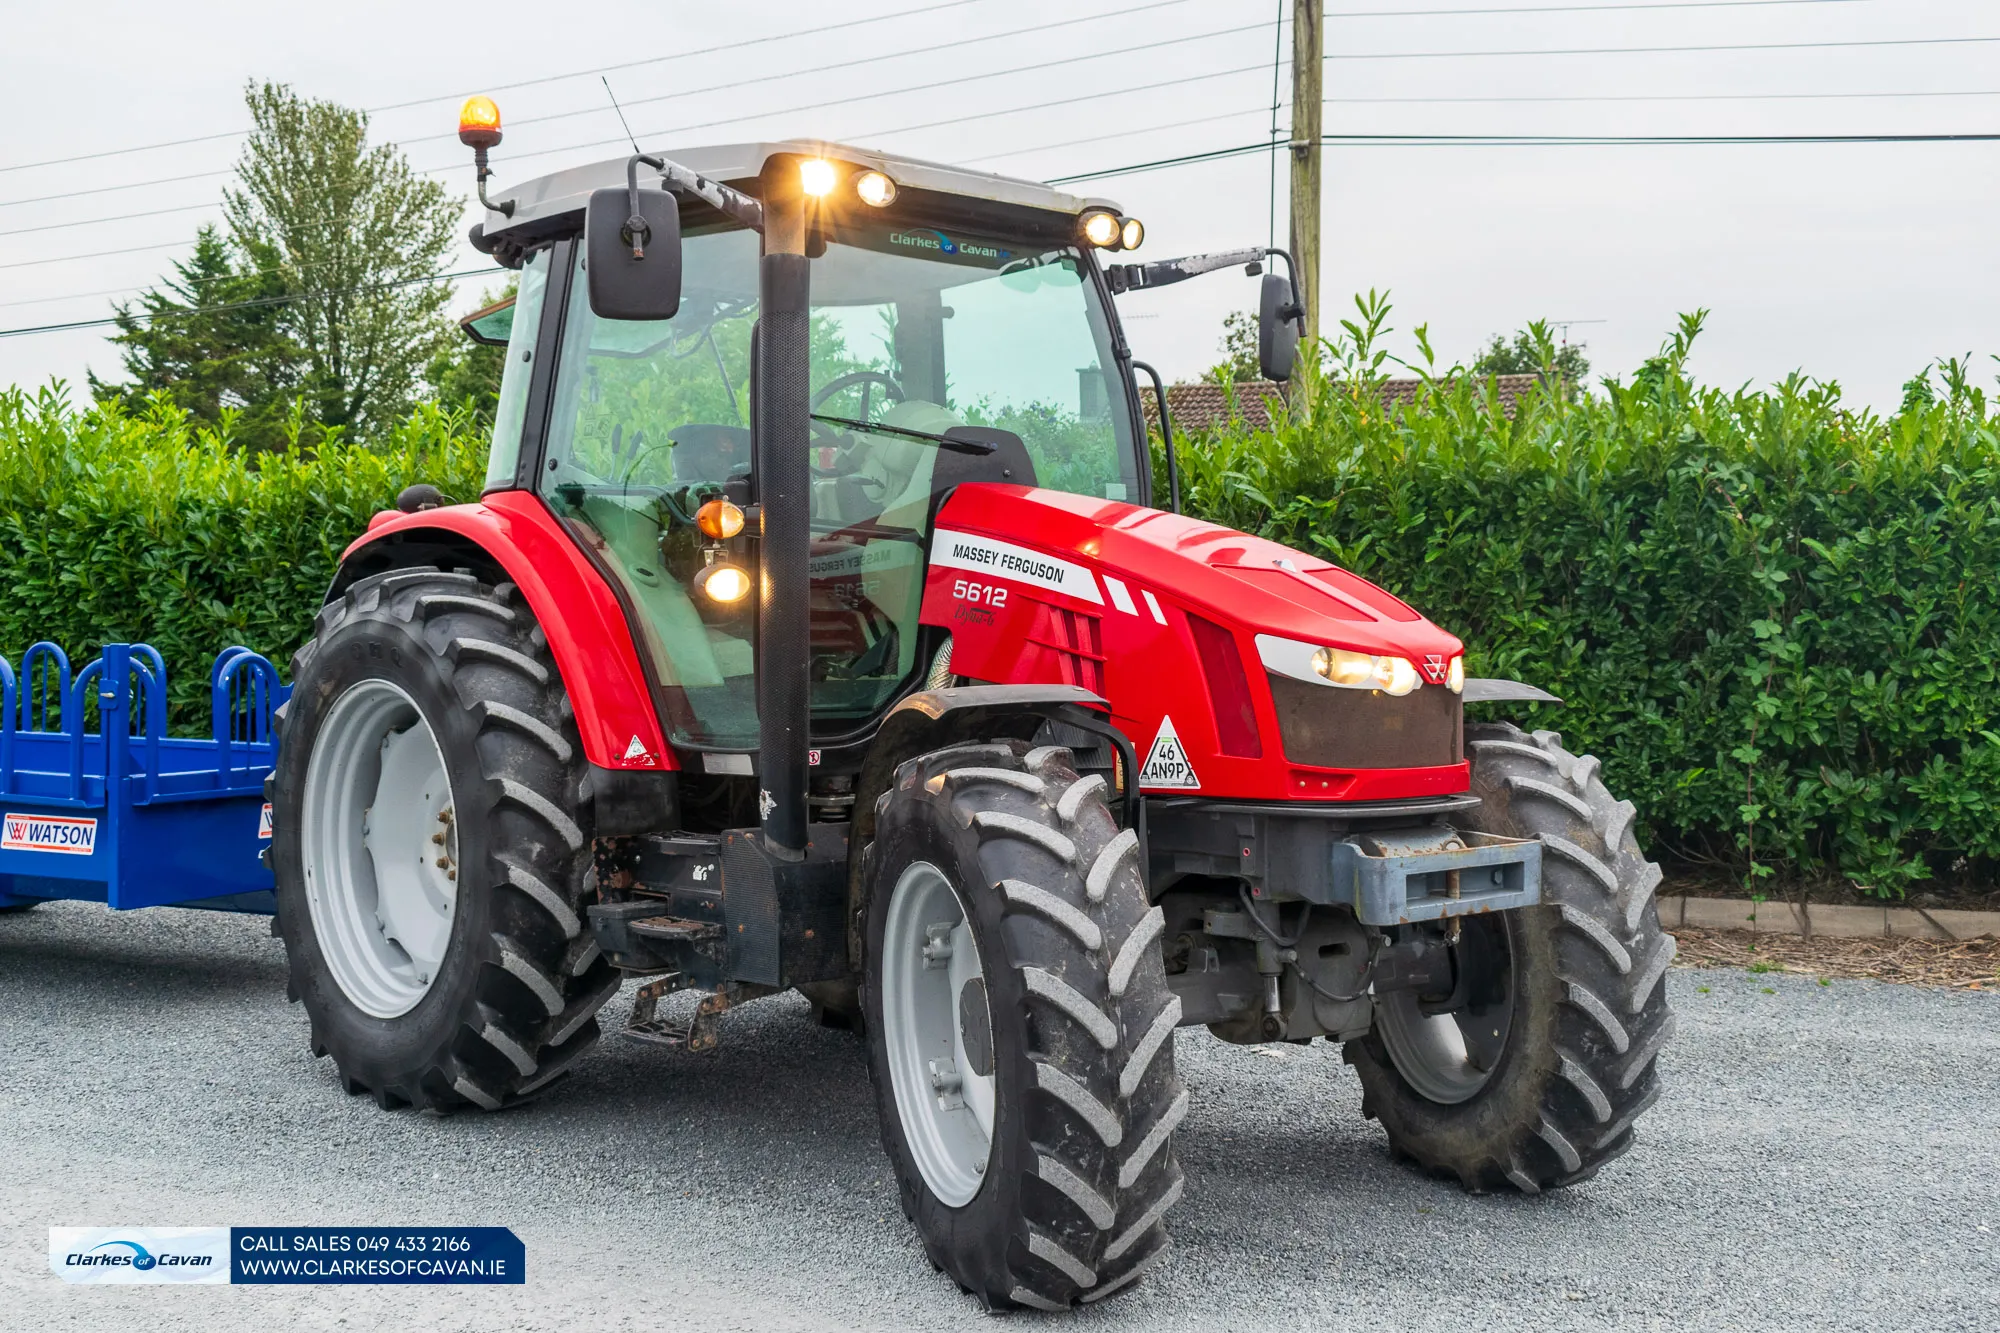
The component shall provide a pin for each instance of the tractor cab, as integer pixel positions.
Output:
(928, 316)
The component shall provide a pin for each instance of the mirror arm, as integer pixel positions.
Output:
(1298, 310)
(733, 204)
(1166, 434)
(1165, 272)
(636, 228)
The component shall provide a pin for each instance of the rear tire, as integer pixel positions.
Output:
(499, 998)
(1051, 1189)
(1586, 1010)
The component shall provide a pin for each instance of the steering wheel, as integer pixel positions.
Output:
(852, 378)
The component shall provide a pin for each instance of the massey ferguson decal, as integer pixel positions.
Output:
(1004, 560)
(1434, 668)
(47, 833)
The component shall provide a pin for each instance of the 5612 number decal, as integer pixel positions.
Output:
(983, 594)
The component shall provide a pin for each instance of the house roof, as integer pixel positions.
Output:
(1203, 407)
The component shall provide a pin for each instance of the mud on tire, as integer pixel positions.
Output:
(1082, 1167)
(514, 998)
(1589, 1001)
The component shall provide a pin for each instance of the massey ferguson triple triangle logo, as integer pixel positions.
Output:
(47, 833)
(1434, 667)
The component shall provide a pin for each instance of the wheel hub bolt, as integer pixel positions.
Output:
(937, 948)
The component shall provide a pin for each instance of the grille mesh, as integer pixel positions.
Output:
(1336, 728)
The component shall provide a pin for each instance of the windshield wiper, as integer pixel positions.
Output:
(956, 443)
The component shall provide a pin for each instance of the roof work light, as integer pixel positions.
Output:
(1100, 228)
(875, 189)
(817, 177)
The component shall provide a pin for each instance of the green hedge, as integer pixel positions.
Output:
(120, 528)
(1773, 618)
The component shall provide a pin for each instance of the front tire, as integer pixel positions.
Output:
(1539, 1086)
(432, 845)
(1020, 1029)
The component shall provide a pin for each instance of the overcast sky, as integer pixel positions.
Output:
(1854, 263)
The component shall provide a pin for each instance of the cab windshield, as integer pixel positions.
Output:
(914, 331)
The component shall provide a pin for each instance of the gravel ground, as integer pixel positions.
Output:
(1824, 1157)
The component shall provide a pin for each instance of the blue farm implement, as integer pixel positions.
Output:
(97, 802)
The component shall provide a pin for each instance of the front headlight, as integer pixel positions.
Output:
(1365, 671)
(1455, 678)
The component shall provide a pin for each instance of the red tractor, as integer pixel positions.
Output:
(816, 630)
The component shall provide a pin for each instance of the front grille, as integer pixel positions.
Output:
(1336, 728)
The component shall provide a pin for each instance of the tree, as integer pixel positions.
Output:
(1534, 352)
(360, 241)
(1239, 351)
(212, 340)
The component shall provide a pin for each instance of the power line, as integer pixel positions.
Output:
(861, 22)
(1120, 134)
(657, 134)
(1651, 97)
(734, 84)
(258, 302)
(1187, 159)
(164, 284)
(1525, 141)
(98, 254)
(1258, 68)
(525, 83)
(113, 189)
(1664, 50)
(601, 70)
(1575, 9)
(120, 217)
(1505, 99)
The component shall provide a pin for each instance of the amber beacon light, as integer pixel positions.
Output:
(479, 130)
(479, 124)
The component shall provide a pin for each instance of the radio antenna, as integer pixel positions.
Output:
(621, 112)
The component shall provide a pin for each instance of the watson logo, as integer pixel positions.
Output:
(47, 833)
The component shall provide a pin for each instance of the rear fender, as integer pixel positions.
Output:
(512, 536)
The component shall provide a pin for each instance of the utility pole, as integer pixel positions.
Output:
(1308, 61)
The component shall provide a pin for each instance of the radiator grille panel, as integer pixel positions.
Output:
(1335, 728)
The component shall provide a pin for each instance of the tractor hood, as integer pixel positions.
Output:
(1201, 638)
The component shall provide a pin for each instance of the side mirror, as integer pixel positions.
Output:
(1277, 328)
(623, 286)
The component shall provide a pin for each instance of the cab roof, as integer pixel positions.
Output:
(561, 193)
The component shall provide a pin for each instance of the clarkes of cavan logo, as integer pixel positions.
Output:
(139, 1254)
(1434, 667)
(131, 1254)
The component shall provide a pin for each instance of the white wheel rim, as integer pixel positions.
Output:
(946, 1109)
(380, 846)
(1431, 1051)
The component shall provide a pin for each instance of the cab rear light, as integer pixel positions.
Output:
(1228, 689)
